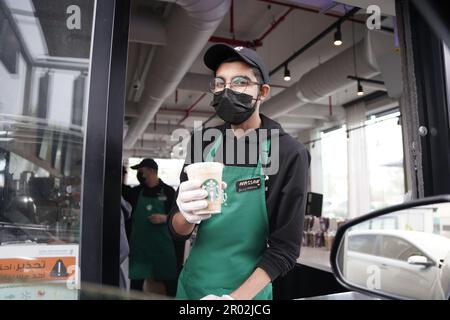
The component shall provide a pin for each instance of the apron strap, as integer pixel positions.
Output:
(213, 151)
(265, 151)
(265, 147)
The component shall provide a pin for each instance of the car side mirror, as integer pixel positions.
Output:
(401, 252)
(420, 261)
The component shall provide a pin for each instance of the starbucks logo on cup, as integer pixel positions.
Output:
(213, 189)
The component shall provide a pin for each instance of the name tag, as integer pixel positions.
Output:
(247, 185)
(162, 198)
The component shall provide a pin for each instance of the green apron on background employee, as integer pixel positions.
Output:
(152, 252)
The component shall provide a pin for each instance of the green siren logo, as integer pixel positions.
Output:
(213, 189)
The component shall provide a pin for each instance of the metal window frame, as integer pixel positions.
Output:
(429, 68)
(102, 159)
(446, 49)
(424, 101)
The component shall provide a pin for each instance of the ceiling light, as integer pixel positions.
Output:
(338, 37)
(287, 74)
(360, 89)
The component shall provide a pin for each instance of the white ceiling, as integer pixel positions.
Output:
(251, 19)
(387, 6)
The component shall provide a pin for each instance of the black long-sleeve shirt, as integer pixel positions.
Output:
(285, 192)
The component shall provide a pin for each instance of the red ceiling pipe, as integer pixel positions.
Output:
(295, 6)
(195, 103)
(274, 25)
(232, 18)
(254, 43)
(330, 104)
(188, 111)
(258, 42)
(234, 42)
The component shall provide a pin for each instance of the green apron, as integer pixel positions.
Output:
(229, 245)
(152, 253)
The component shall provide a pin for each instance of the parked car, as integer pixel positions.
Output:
(394, 263)
(407, 261)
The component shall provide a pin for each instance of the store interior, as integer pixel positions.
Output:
(336, 87)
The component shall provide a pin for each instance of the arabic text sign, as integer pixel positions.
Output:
(36, 269)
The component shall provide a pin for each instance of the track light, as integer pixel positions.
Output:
(360, 89)
(287, 74)
(338, 37)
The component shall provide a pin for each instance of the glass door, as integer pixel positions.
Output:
(45, 50)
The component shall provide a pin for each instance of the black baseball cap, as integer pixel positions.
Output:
(146, 163)
(218, 53)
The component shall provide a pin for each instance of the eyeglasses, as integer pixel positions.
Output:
(238, 84)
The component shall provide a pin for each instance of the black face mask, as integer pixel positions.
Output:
(233, 107)
(140, 178)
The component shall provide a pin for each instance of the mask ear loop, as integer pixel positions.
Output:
(257, 97)
(256, 101)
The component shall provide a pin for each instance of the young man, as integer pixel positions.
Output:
(152, 252)
(257, 235)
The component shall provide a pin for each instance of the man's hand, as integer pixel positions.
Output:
(191, 197)
(157, 218)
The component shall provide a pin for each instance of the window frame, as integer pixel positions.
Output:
(102, 159)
